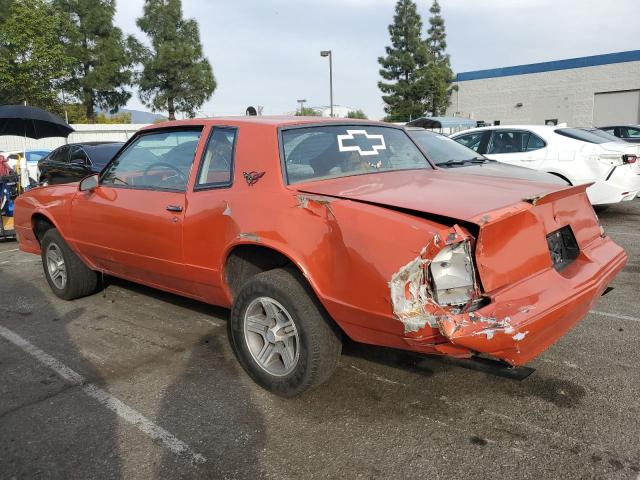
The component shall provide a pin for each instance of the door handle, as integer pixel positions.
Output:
(174, 208)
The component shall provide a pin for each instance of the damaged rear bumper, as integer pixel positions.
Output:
(524, 318)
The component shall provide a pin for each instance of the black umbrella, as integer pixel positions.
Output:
(32, 122)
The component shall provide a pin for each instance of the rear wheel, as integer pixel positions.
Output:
(66, 274)
(281, 335)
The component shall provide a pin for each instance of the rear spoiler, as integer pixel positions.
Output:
(553, 196)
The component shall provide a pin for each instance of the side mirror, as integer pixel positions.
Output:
(88, 183)
(78, 161)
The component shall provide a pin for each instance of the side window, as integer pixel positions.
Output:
(471, 140)
(78, 156)
(632, 132)
(216, 168)
(508, 141)
(155, 161)
(61, 155)
(535, 142)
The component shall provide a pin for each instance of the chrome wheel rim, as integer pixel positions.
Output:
(271, 336)
(55, 266)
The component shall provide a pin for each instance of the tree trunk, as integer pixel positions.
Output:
(88, 103)
(172, 109)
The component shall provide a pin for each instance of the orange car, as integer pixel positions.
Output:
(310, 229)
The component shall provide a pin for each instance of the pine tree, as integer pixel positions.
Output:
(438, 76)
(436, 41)
(104, 58)
(403, 66)
(5, 5)
(176, 76)
(33, 63)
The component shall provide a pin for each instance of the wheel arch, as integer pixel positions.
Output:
(40, 223)
(244, 260)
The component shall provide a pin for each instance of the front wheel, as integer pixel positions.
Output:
(66, 274)
(281, 334)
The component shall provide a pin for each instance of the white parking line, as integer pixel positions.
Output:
(127, 413)
(12, 250)
(615, 315)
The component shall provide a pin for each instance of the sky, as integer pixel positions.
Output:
(267, 52)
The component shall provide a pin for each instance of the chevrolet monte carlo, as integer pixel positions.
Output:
(311, 229)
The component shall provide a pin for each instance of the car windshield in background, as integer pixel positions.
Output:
(314, 153)
(441, 149)
(582, 135)
(100, 155)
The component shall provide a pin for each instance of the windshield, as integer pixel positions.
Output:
(441, 149)
(582, 135)
(320, 152)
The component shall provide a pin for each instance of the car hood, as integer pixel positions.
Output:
(498, 169)
(446, 193)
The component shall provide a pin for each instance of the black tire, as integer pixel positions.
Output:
(319, 343)
(80, 280)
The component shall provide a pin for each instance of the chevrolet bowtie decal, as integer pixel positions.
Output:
(349, 143)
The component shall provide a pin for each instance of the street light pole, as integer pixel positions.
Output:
(301, 102)
(327, 53)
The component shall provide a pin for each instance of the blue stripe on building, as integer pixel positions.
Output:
(581, 62)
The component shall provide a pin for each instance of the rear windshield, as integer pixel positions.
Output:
(601, 133)
(581, 135)
(100, 155)
(441, 149)
(315, 153)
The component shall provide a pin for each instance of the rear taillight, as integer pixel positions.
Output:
(629, 158)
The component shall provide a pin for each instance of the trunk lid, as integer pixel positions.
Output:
(449, 194)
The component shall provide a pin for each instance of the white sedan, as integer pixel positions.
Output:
(576, 155)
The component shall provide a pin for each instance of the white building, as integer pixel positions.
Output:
(596, 90)
(120, 132)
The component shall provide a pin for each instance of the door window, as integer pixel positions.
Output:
(157, 161)
(471, 140)
(78, 156)
(508, 141)
(535, 142)
(216, 168)
(60, 155)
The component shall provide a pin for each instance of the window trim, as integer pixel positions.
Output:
(215, 185)
(283, 167)
(152, 131)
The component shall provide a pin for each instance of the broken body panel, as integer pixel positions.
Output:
(365, 243)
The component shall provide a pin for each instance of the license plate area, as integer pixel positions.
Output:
(563, 247)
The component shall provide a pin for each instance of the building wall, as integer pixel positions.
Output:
(83, 133)
(567, 95)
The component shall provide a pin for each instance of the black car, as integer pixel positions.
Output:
(73, 162)
(628, 133)
(447, 153)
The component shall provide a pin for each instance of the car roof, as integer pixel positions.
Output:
(94, 144)
(266, 120)
(533, 128)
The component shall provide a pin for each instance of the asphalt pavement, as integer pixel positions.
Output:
(136, 383)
